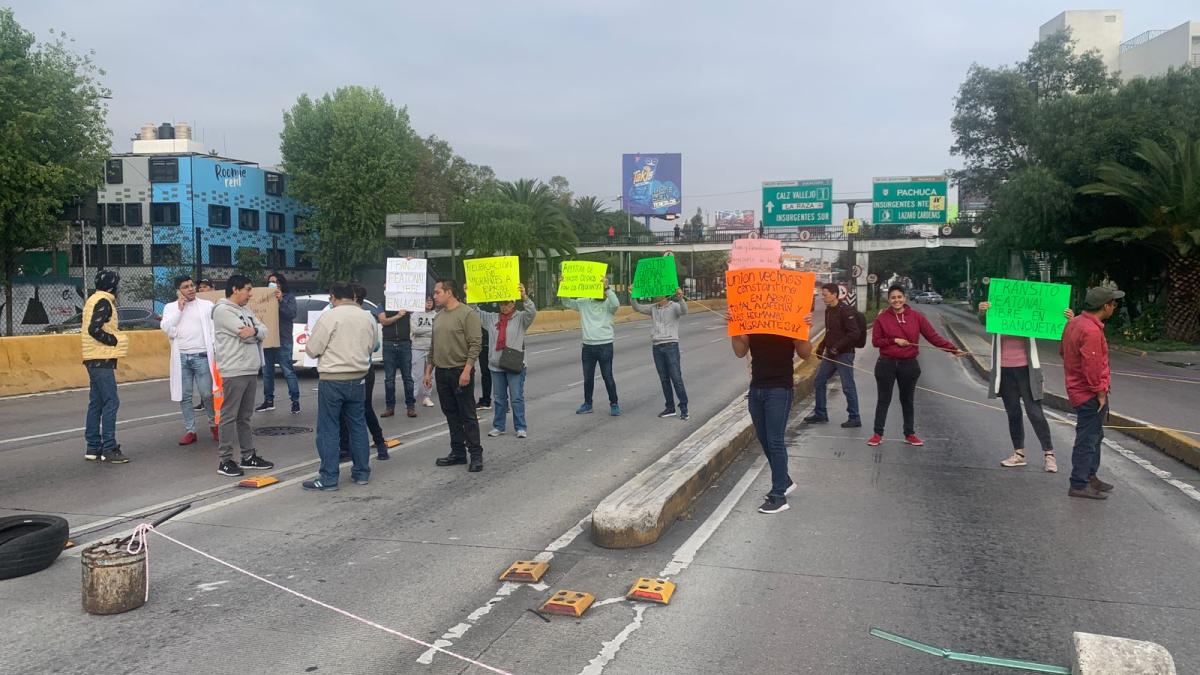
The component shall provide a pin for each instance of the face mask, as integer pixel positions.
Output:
(272, 285)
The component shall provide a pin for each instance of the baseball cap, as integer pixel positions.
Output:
(1100, 296)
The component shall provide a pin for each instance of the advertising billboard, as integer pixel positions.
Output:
(735, 220)
(652, 183)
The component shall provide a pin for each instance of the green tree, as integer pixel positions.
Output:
(444, 177)
(552, 231)
(53, 141)
(353, 157)
(1163, 199)
(560, 189)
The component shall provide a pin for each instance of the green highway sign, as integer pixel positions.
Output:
(797, 203)
(909, 200)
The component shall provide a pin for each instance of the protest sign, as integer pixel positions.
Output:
(492, 279)
(313, 315)
(769, 301)
(1027, 308)
(755, 253)
(582, 279)
(263, 304)
(404, 285)
(655, 277)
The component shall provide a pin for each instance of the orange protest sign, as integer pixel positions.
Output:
(769, 301)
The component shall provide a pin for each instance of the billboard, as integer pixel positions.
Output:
(735, 220)
(652, 184)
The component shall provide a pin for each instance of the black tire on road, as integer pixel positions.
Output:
(30, 543)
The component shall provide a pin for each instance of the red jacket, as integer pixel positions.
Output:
(910, 325)
(1084, 351)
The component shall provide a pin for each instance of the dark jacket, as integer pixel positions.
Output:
(841, 330)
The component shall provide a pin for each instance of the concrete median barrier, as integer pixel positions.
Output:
(37, 363)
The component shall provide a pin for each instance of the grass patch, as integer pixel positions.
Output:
(1155, 345)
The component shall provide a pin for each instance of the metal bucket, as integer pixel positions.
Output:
(114, 580)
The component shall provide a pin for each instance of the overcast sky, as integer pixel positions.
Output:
(747, 91)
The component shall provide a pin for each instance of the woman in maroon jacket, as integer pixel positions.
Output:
(896, 333)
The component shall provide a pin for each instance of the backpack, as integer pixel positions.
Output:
(862, 328)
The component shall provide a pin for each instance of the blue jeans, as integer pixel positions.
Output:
(337, 399)
(195, 372)
(283, 356)
(666, 361)
(398, 355)
(603, 355)
(1089, 434)
(845, 370)
(505, 383)
(769, 410)
(100, 431)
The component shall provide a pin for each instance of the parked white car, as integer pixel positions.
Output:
(316, 303)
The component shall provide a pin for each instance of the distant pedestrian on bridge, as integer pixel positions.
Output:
(664, 339)
(596, 321)
(188, 325)
(1084, 351)
(844, 331)
(102, 344)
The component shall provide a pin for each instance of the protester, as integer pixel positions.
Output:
(1016, 375)
(506, 332)
(677, 231)
(664, 340)
(102, 344)
(596, 320)
(205, 285)
(342, 342)
(612, 233)
(844, 331)
(1084, 351)
(373, 428)
(397, 353)
(457, 338)
(770, 402)
(896, 334)
(422, 335)
(485, 377)
(283, 353)
(188, 325)
(237, 343)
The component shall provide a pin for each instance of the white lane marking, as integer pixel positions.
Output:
(609, 649)
(608, 601)
(573, 384)
(506, 589)
(720, 339)
(68, 391)
(545, 351)
(77, 429)
(210, 586)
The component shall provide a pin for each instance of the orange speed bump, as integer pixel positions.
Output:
(568, 603)
(392, 442)
(257, 481)
(652, 590)
(525, 570)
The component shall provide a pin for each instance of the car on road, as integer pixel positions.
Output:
(927, 298)
(316, 303)
(128, 318)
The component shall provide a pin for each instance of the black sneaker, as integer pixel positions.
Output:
(265, 406)
(667, 412)
(683, 415)
(228, 468)
(113, 456)
(295, 407)
(815, 419)
(91, 455)
(792, 487)
(476, 464)
(851, 424)
(773, 504)
(256, 462)
(317, 486)
(199, 406)
(483, 405)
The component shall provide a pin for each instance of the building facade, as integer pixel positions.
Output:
(1149, 54)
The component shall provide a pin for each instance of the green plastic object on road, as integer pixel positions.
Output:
(655, 276)
(1016, 664)
(1027, 308)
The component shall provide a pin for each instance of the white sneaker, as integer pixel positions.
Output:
(521, 433)
(495, 432)
(427, 402)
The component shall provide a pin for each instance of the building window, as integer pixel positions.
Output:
(273, 183)
(116, 254)
(165, 254)
(218, 216)
(115, 215)
(276, 258)
(133, 254)
(133, 214)
(164, 214)
(303, 261)
(164, 170)
(220, 255)
(248, 219)
(96, 257)
(114, 172)
(76, 255)
(301, 225)
(274, 222)
(1110, 18)
(248, 253)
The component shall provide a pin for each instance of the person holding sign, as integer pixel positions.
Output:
(422, 336)
(457, 337)
(283, 353)
(596, 320)
(896, 332)
(506, 333)
(1017, 376)
(664, 339)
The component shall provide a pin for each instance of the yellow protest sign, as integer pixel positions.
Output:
(492, 279)
(582, 279)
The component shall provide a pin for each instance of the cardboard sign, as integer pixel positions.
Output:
(755, 253)
(404, 284)
(655, 277)
(263, 304)
(769, 301)
(491, 279)
(1027, 308)
(313, 315)
(582, 279)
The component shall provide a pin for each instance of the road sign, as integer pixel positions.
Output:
(872, 278)
(909, 200)
(851, 225)
(947, 231)
(986, 280)
(856, 271)
(976, 229)
(797, 203)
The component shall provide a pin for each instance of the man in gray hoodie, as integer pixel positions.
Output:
(237, 340)
(665, 348)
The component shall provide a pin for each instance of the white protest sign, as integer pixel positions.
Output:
(404, 284)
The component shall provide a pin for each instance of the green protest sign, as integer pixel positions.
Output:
(1027, 308)
(582, 279)
(655, 276)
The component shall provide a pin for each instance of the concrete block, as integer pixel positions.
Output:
(1108, 655)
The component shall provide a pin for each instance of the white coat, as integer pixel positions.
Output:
(170, 325)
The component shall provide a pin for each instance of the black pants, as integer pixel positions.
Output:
(889, 372)
(373, 427)
(1014, 387)
(485, 374)
(458, 405)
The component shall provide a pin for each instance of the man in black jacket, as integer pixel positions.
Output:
(842, 334)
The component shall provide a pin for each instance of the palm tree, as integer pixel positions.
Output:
(587, 215)
(1164, 193)
(552, 233)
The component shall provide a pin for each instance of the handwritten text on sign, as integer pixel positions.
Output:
(492, 279)
(1027, 308)
(404, 284)
(655, 277)
(582, 279)
(769, 301)
(755, 253)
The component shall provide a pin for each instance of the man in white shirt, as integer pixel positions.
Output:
(188, 325)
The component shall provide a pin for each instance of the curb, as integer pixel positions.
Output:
(640, 511)
(1108, 655)
(1177, 445)
(1129, 350)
